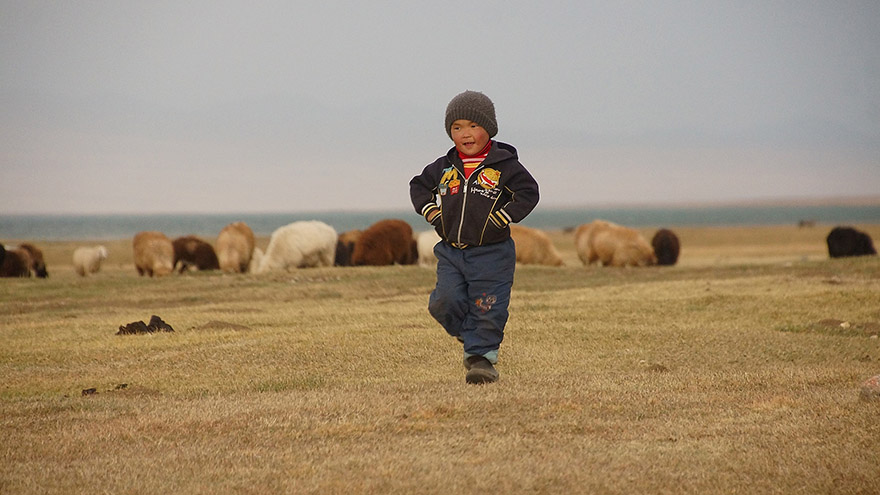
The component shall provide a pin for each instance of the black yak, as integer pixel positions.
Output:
(847, 241)
(666, 247)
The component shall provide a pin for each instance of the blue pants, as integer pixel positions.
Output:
(472, 294)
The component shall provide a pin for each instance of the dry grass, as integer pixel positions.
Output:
(722, 374)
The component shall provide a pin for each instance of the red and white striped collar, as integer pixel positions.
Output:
(479, 157)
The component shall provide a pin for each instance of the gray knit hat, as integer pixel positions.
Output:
(473, 106)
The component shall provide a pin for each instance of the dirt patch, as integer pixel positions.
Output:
(134, 391)
(238, 310)
(221, 325)
(872, 327)
(841, 327)
(123, 389)
(871, 389)
(653, 367)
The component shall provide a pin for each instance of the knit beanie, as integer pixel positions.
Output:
(473, 106)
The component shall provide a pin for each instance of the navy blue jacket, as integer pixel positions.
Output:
(475, 211)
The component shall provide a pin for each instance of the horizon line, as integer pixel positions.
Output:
(861, 200)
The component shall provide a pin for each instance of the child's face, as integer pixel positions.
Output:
(469, 137)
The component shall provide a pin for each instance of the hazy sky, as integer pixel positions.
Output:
(251, 106)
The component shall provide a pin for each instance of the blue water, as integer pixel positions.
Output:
(105, 227)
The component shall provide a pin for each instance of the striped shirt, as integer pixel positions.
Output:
(471, 162)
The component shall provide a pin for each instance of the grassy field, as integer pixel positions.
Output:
(736, 371)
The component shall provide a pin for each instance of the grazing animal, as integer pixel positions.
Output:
(298, 245)
(190, 251)
(612, 244)
(847, 241)
(2, 253)
(16, 263)
(806, 224)
(345, 247)
(386, 242)
(38, 264)
(666, 247)
(87, 260)
(235, 247)
(533, 247)
(425, 242)
(153, 253)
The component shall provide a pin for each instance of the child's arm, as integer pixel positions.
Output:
(423, 194)
(523, 190)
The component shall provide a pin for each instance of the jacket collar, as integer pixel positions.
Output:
(498, 152)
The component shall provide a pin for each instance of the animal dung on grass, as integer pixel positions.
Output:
(139, 327)
(94, 390)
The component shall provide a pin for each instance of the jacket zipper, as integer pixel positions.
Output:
(463, 204)
(464, 198)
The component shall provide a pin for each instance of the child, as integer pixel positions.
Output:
(470, 196)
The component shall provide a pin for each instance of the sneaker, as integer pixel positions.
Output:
(480, 370)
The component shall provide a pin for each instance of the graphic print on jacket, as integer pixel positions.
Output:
(488, 181)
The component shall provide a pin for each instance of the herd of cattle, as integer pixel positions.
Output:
(387, 242)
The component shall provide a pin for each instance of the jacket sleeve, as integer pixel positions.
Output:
(423, 192)
(523, 190)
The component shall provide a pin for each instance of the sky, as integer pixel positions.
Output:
(262, 106)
